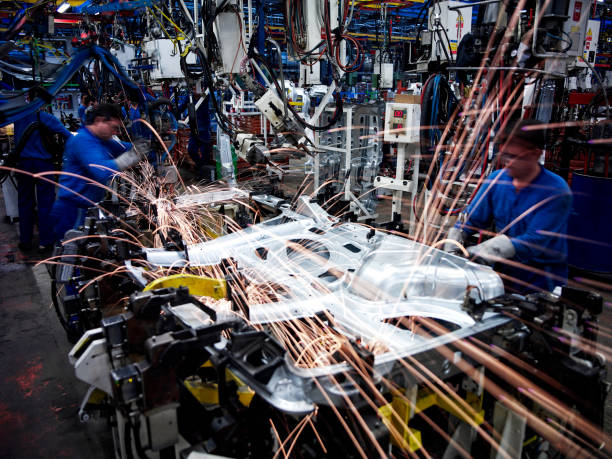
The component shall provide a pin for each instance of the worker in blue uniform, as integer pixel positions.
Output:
(135, 129)
(85, 107)
(36, 193)
(529, 208)
(91, 158)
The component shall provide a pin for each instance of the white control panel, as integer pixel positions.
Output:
(402, 122)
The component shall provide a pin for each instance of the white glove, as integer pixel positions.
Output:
(493, 249)
(139, 151)
(454, 234)
(142, 146)
(127, 159)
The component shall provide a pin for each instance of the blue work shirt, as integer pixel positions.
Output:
(137, 129)
(535, 220)
(34, 148)
(83, 153)
(134, 113)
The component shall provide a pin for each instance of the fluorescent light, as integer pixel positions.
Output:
(63, 7)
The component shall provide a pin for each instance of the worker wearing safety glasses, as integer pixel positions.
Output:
(528, 207)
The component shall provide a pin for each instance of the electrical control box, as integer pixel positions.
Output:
(402, 122)
(591, 39)
(448, 26)
(165, 59)
(575, 26)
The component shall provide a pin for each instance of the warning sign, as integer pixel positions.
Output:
(588, 40)
(460, 25)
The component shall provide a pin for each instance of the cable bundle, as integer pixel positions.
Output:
(330, 45)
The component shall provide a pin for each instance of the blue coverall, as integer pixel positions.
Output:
(34, 192)
(83, 156)
(535, 220)
(136, 129)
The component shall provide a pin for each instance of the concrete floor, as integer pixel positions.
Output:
(39, 395)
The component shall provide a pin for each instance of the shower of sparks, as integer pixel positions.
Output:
(319, 341)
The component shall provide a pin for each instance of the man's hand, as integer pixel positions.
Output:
(492, 250)
(127, 159)
(139, 152)
(142, 146)
(455, 240)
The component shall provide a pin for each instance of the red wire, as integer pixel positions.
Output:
(425, 87)
(358, 53)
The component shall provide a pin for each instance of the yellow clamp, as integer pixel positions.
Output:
(197, 285)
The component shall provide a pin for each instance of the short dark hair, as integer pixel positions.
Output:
(529, 131)
(106, 111)
(86, 99)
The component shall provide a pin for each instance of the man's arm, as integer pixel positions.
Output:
(94, 158)
(479, 214)
(550, 217)
(54, 125)
(117, 146)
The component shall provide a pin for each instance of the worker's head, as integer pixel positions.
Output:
(105, 121)
(520, 146)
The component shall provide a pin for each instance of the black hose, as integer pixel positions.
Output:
(299, 119)
(450, 58)
(420, 21)
(426, 108)
(443, 45)
(188, 73)
(224, 123)
(158, 103)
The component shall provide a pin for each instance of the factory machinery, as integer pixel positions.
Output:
(243, 320)
(309, 336)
